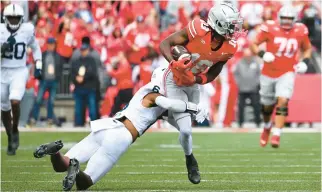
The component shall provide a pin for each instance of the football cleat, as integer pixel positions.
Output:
(48, 149)
(70, 178)
(15, 140)
(10, 150)
(264, 137)
(275, 141)
(193, 170)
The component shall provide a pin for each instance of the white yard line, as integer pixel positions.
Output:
(194, 130)
(179, 173)
(184, 181)
(204, 167)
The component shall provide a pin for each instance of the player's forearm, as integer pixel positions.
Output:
(165, 48)
(175, 105)
(177, 38)
(211, 75)
(254, 48)
(36, 51)
(307, 53)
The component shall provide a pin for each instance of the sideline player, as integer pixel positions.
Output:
(211, 45)
(14, 39)
(111, 137)
(284, 39)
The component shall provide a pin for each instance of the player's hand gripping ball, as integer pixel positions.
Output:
(181, 65)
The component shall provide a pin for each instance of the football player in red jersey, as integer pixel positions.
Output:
(211, 44)
(284, 39)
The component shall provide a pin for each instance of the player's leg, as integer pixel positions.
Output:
(284, 91)
(6, 115)
(17, 90)
(113, 143)
(82, 151)
(267, 93)
(184, 121)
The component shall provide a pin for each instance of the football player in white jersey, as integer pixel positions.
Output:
(111, 137)
(14, 39)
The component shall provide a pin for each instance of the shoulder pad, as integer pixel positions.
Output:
(198, 27)
(301, 28)
(28, 27)
(267, 25)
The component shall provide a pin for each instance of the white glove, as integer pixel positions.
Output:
(301, 67)
(202, 114)
(268, 57)
(39, 64)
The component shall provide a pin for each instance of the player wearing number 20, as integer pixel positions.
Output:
(283, 41)
(211, 44)
(14, 39)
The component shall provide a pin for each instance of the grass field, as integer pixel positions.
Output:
(228, 162)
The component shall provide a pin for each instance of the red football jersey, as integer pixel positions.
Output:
(284, 44)
(200, 44)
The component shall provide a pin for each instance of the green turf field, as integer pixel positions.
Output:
(155, 162)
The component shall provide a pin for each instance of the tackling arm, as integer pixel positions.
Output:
(177, 38)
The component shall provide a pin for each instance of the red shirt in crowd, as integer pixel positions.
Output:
(123, 75)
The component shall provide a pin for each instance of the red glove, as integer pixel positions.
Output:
(181, 65)
(182, 76)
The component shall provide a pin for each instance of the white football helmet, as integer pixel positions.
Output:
(225, 19)
(287, 17)
(13, 15)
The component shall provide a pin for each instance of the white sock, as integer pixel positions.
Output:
(268, 125)
(277, 131)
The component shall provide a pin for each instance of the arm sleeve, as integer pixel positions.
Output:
(175, 105)
(34, 45)
(32, 42)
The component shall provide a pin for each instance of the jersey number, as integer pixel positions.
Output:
(204, 26)
(14, 52)
(287, 47)
(156, 89)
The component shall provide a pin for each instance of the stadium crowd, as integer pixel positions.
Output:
(119, 41)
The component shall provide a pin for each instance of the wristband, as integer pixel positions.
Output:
(306, 60)
(261, 53)
(203, 78)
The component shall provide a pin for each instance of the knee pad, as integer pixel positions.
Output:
(283, 111)
(5, 107)
(267, 111)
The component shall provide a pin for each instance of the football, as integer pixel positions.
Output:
(180, 52)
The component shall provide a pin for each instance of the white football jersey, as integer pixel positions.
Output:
(17, 55)
(143, 117)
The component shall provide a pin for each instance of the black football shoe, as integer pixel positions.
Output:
(10, 150)
(72, 172)
(193, 170)
(48, 149)
(15, 140)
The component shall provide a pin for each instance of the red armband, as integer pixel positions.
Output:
(203, 78)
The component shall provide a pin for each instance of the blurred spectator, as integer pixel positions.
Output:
(120, 69)
(247, 73)
(65, 40)
(85, 79)
(84, 12)
(138, 37)
(52, 70)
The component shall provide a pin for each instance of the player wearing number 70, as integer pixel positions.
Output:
(14, 39)
(284, 39)
(210, 44)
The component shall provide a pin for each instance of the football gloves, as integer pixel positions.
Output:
(38, 70)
